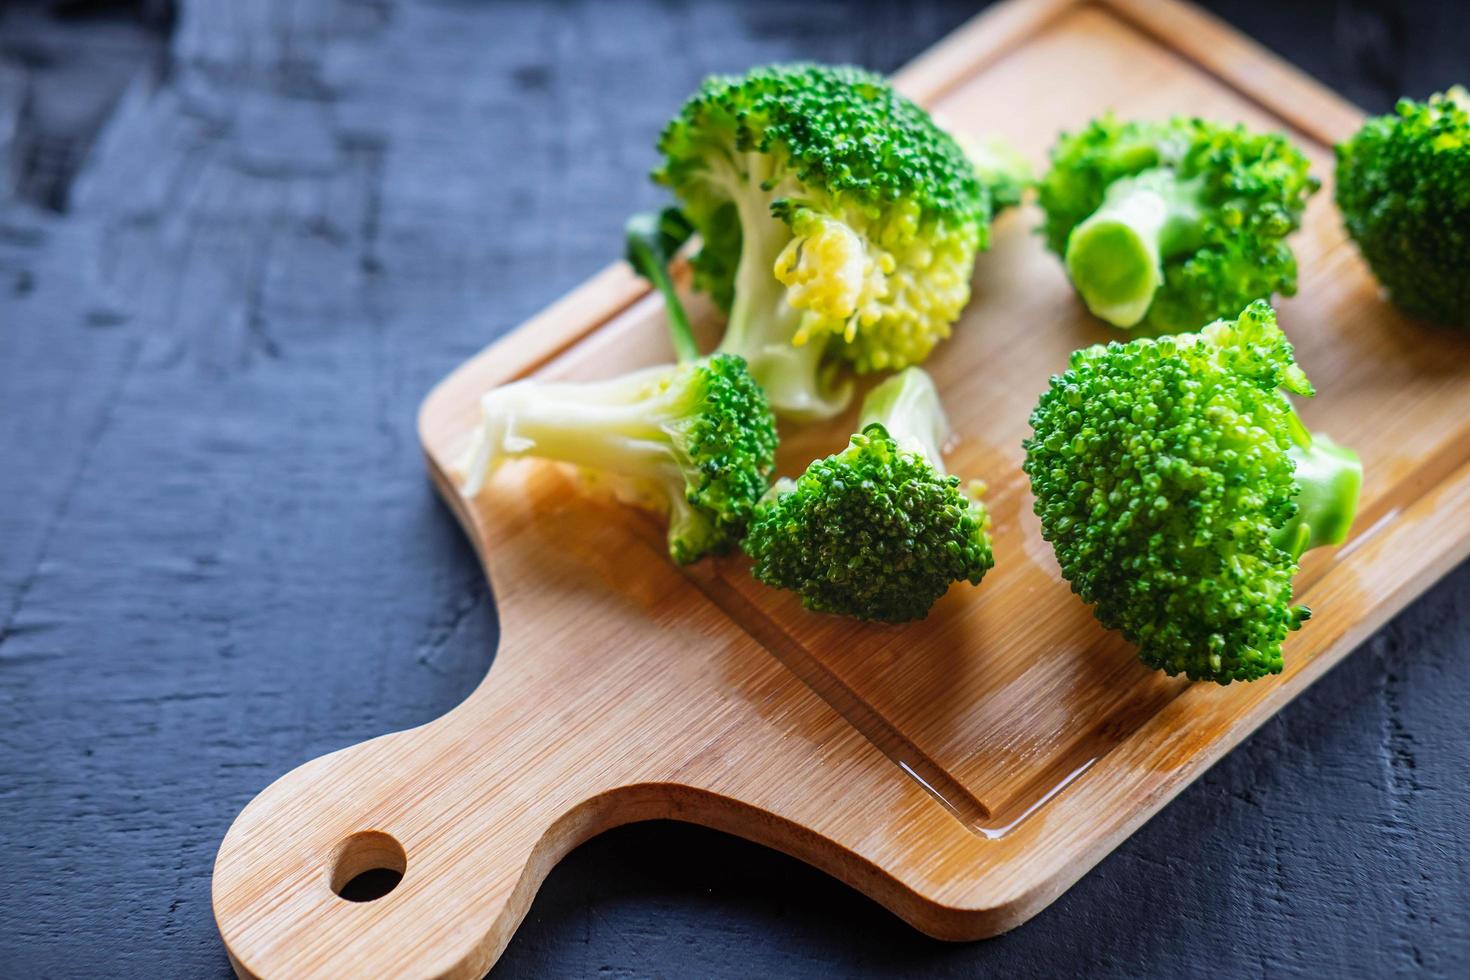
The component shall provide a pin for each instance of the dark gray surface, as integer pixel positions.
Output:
(224, 288)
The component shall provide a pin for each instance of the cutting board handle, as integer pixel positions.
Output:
(417, 852)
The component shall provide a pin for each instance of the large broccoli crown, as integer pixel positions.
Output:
(878, 530)
(823, 187)
(1227, 200)
(695, 441)
(1164, 477)
(838, 130)
(1403, 186)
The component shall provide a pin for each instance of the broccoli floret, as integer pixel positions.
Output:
(877, 531)
(838, 224)
(1001, 170)
(1179, 488)
(1403, 186)
(694, 440)
(1167, 225)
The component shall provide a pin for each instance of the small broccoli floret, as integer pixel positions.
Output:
(1001, 169)
(877, 531)
(1178, 488)
(838, 224)
(695, 440)
(1403, 187)
(1167, 225)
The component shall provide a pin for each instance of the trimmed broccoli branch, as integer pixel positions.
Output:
(1167, 225)
(1115, 258)
(1329, 478)
(1178, 488)
(876, 531)
(694, 441)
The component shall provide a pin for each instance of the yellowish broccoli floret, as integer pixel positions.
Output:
(832, 276)
(888, 289)
(838, 224)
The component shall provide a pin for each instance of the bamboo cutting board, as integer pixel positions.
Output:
(962, 771)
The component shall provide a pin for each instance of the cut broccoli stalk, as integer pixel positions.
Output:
(1115, 258)
(619, 427)
(907, 406)
(1164, 225)
(1330, 477)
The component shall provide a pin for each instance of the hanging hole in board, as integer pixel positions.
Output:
(367, 866)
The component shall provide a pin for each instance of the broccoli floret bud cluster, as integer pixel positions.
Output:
(1166, 478)
(728, 438)
(877, 531)
(1168, 225)
(1403, 187)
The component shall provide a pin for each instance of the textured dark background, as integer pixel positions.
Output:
(240, 240)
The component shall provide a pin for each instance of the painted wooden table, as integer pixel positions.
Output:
(222, 294)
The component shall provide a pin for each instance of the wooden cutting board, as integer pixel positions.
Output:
(962, 771)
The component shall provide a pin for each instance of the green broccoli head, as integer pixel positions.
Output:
(695, 441)
(1178, 488)
(1167, 225)
(877, 531)
(838, 224)
(1403, 186)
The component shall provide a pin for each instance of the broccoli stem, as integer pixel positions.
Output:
(908, 406)
(652, 239)
(1330, 477)
(762, 323)
(1115, 256)
(615, 426)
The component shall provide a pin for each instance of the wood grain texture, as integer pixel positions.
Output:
(962, 771)
(275, 246)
